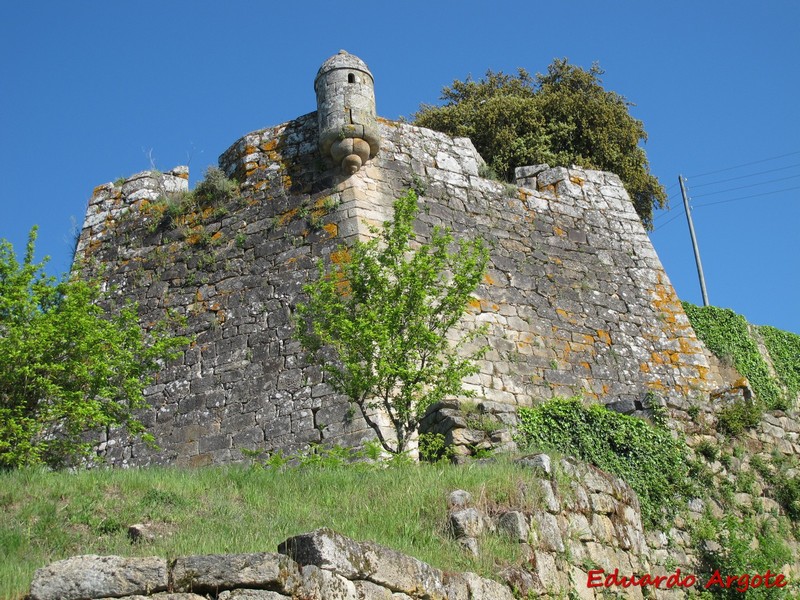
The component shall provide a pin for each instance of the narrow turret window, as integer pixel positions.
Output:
(351, 78)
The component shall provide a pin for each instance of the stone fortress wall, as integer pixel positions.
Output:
(575, 297)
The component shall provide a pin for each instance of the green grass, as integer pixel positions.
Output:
(47, 516)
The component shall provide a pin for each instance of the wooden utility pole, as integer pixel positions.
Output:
(694, 242)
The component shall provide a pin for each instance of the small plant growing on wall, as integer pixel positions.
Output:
(377, 320)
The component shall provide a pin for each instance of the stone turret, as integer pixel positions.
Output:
(348, 127)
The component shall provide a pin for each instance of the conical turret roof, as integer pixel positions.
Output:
(343, 60)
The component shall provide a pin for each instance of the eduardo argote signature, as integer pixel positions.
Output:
(740, 583)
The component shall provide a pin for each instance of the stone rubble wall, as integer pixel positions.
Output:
(321, 565)
(575, 298)
(573, 518)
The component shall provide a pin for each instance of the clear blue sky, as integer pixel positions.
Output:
(90, 90)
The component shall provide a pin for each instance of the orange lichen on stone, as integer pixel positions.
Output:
(488, 279)
(194, 239)
(332, 229)
(577, 180)
(287, 216)
(269, 145)
(578, 348)
(558, 231)
(604, 336)
(644, 367)
(216, 236)
(657, 385)
(98, 189)
(566, 316)
(548, 188)
(339, 257)
(92, 247)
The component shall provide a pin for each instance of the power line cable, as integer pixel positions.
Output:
(755, 162)
(747, 197)
(665, 223)
(743, 176)
(741, 187)
(667, 212)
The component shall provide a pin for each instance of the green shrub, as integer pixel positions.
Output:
(745, 547)
(741, 415)
(432, 447)
(787, 493)
(563, 117)
(647, 457)
(377, 320)
(215, 188)
(67, 366)
(708, 450)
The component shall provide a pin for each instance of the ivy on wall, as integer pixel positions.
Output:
(647, 457)
(726, 334)
(784, 350)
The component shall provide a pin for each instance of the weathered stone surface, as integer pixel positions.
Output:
(548, 531)
(161, 596)
(319, 584)
(522, 581)
(148, 532)
(470, 545)
(366, 590)
(92, 576)
(212, 572)
(515, 525)
(242, 594)
(467, 522)
(539, 463)
(459, 499)
(481, 588)
(329, 550)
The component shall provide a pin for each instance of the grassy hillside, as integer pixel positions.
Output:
(46, 516)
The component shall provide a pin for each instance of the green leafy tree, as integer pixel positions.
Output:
(377, 319)
(67, 367)
(561, 118)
